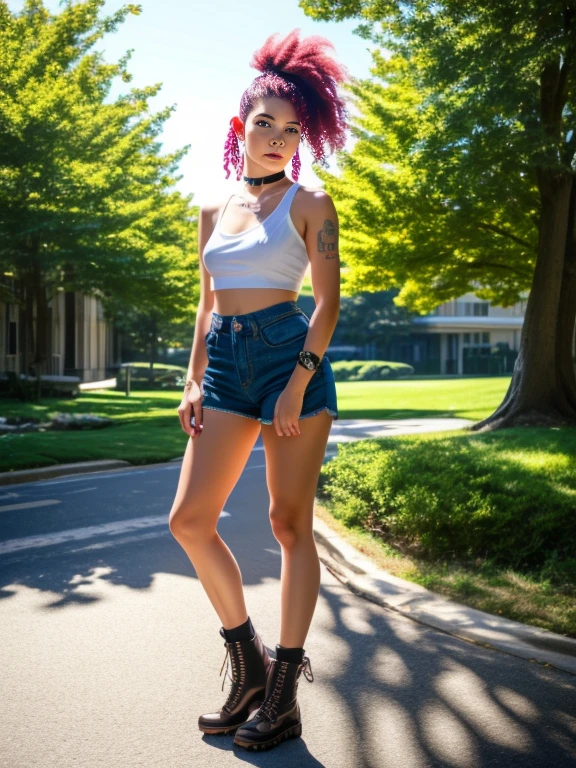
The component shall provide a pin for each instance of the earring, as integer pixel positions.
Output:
(296, 165)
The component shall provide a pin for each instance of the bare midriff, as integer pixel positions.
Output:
(245, 300)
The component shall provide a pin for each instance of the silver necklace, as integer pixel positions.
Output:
(254, 207)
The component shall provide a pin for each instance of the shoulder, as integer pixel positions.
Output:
(314, 208)
(210, 208)
(312, 194)
(314, 200)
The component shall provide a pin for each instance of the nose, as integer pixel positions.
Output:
(277, 142)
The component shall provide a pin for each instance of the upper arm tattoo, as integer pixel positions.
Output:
(327, 240)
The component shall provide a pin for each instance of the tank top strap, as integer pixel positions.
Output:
(217, 227)
(286, 201)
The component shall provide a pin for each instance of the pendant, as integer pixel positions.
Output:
(250, 206)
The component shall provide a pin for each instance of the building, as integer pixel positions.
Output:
(463, 336)
(80, 342)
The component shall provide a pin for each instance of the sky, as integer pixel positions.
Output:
(200, 51)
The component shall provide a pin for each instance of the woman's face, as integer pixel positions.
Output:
(271, 134)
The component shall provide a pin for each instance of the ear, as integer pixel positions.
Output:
(238, 126)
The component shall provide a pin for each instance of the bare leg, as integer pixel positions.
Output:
(211, 468)
(292, 468)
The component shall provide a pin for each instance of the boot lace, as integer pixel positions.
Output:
(269, 708)
(238, 665)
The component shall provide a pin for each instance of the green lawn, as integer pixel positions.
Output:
(467, 398)
(147, 427)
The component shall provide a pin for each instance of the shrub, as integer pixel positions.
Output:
(369, 370)
(457, 497)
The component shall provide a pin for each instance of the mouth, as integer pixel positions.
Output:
(273, 156)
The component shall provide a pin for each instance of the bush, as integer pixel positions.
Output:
(458, 497)
(370, 370)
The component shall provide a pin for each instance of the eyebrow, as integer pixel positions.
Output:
(290, 122)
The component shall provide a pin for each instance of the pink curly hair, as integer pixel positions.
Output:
(301, 71)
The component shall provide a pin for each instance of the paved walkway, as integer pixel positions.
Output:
(346, 430)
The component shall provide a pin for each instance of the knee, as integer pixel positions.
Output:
(286, 523)
(188, 522)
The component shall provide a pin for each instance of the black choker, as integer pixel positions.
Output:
(256, 181)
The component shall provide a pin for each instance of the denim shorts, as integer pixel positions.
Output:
(251, 358)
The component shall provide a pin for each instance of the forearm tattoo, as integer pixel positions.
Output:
(327, 240)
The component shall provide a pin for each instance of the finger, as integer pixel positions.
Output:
(185, 420)
(196, 420)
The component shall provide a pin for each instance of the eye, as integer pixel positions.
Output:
(262, 121)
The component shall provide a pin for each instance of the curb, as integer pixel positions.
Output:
(357, 572)
(41, 473)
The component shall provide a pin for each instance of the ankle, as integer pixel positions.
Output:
(243, 631)
(294, 655)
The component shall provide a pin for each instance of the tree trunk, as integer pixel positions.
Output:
(42, 331)
(567, 313)
(542, 391)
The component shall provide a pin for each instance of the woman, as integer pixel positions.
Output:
(258, 363)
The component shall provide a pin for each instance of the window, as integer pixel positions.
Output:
(475, 308)
(475, 344)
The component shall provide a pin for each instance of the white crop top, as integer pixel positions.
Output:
(270, 255)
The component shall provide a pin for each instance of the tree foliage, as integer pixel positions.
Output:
(462, 176)
(86, 198)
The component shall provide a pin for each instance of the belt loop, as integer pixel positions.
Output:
(254, 328)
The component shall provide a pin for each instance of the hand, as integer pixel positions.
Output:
(191, 408)
(286, 412)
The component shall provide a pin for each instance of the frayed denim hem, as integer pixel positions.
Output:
(226, 410)
(332, 413)
(315, 413)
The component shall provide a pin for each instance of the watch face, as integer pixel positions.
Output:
(307, 360)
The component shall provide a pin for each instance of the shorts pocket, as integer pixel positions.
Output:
(285, 330)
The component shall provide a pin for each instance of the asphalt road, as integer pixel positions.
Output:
(110, 648)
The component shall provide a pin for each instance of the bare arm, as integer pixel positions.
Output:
(191, 404)
(198, 357)
(321, 238)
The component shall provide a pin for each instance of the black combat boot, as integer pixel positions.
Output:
(278, 717)
(250, 664)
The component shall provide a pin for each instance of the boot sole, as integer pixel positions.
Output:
(214, 731)
(290, 733)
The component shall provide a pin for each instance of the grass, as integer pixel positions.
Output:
(146, 430)
(499, 591)
(147, 427)
(465, 398)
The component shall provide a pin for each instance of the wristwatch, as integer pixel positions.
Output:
(309, 360)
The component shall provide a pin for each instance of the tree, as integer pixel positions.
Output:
(463, 176)
(166, 292)
(85, 194)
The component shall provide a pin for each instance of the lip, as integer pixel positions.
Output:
(274, 155)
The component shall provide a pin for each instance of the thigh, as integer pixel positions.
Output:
(293, 466)
(211, 468)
